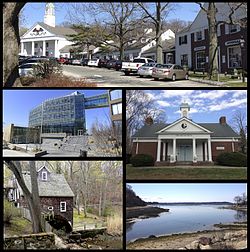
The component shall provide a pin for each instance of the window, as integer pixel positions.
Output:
(36, 45)
(115, 94)
(184, 60)
(198, 35)
(183, 40)
(200, 60)
(234, 57)
(62, 206)
(117, 109)
(44, 175)
(47, 44)
(233, 28)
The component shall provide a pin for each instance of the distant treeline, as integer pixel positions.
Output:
(191, 203)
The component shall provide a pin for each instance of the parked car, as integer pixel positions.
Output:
(84, 62)
(70, 60)
(102, 63)
(111, 64)
(146, 69)
(27, 69)
(118, 65)
(76, 62)
(63, 60)
(33, 60)
(169, 71)
(132, 67)
(93, 62)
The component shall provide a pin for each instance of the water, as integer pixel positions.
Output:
(182, 218)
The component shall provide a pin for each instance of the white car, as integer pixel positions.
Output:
(93, 62)
(146, 69)
(27, 69)
(76, 62)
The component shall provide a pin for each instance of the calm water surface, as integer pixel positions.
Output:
(182, 218)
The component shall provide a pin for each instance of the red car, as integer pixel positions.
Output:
(63, 60)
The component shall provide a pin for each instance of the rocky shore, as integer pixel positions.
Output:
(143, 212)
(229, 236)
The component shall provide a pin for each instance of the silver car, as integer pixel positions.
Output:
(169, 71)
(146, 69)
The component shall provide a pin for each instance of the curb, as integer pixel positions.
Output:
(214, 83)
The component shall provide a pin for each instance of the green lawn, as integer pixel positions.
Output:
(18, 226)
(212, 173)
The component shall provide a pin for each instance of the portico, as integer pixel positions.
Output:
(189, 148)
(44, 38)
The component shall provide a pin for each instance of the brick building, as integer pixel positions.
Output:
(192, 45)
(185, 140)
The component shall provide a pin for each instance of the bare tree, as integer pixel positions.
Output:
(211, 12)
(11, 42)
(139, 106)
(237, 200)
(117, 26)
(32, 197)
(156, 12)
(176, 25)
(239, 124)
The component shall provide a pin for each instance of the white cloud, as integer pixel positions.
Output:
(211, 95)
(173, 93)
(238, 93)
(163, 103)
(229, 104)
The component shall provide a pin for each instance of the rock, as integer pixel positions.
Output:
(205, 247)
(228, 235)
(59, 243)
(193, 245)
(182, 249)
(218, 237)
(205, 240)
(240, 245)
(152, 236)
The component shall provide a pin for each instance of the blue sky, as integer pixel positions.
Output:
(18, 103)
(188, 192)
(34, 12)
(206, 105)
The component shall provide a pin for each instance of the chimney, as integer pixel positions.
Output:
(223, 120)
(149, 120)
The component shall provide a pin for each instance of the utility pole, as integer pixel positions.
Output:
(41, 128)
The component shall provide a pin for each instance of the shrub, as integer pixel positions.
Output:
(10, 211)
(142, 160)
(232, 159)
(114, 224)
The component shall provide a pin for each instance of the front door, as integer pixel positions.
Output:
(185, 153)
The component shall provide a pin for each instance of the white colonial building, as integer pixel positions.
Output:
(45, 38)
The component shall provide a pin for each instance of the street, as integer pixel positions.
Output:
(111, 78)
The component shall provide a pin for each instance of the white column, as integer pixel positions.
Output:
(164, 151)
(32, 48)
(159, 151)
(22, 48)
(55, 53)
(44, 48)
(194, 151)
(137, 147)
(233, 145)
(209, 150)
(205, 145)
(174, 150)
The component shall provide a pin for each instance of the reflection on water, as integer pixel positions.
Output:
(240, 215)
(181, 218)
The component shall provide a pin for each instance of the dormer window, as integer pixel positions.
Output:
(44, 176)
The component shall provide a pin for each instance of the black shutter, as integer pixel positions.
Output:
(179, 40)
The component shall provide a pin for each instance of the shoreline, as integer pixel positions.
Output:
(236, 231)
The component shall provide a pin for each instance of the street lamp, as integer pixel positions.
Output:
(242, 44)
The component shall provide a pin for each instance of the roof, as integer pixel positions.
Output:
(56, 186)
(219, 130)
(167, 45)
(58, 30)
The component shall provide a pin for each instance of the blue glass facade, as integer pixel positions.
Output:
(65, 114)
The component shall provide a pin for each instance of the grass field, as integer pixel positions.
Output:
(140, 173)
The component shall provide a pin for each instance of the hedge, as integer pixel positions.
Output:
(142, 160)
(232, 159)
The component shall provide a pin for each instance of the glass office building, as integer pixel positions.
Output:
(64, 114)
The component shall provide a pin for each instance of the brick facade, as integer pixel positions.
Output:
(145, 148)
(234, 38)
(227, 148)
